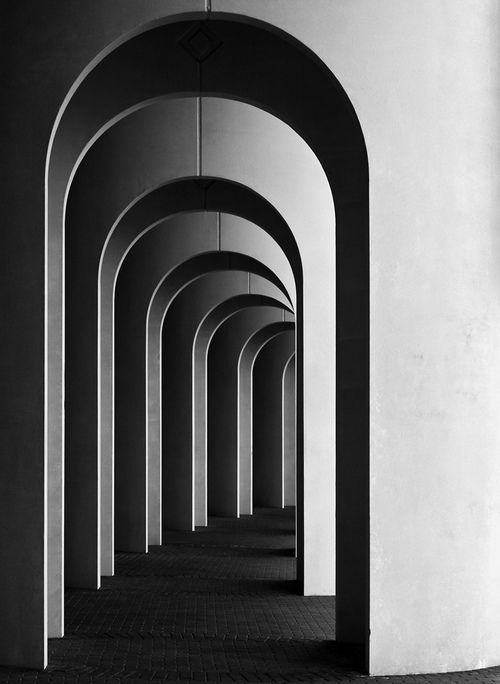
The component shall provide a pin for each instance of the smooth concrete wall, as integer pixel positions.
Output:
(222, 403)
(289, 433)
(434, 433)
(267, 419)
(245, 369)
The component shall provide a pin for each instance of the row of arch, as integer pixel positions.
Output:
(190, 187)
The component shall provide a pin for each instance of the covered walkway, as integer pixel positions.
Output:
(219, 604)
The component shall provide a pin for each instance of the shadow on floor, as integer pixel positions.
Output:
(218, 604)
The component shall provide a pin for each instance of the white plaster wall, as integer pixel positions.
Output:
(424, 80)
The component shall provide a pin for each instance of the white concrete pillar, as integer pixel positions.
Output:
(99, 193)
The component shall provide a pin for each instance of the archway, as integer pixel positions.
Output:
(158, 311)
(344, 160)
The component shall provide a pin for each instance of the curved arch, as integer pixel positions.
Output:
(125, 187)
(289, 428)
(207, 330)
(351, 196)
(222, 404)
(107, 87)
(138, 280)
(183, 320)
(163, 297)
(267, 419)
(245, 368)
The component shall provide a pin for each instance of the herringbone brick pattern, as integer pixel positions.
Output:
(217, 605)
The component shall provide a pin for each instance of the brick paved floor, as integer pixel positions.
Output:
(216, 605)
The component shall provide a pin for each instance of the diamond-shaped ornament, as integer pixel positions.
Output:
(200, 42)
